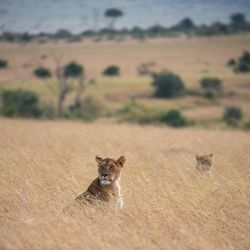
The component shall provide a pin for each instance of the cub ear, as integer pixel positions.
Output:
(121, 161)
(197, 157)
(210, 155)
(98, 159)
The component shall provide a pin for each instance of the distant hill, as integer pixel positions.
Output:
(77, 15)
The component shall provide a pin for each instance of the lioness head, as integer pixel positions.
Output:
(204, 162)
(109, 170)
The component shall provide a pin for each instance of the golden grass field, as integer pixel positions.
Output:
(44, 165)
(191, 58)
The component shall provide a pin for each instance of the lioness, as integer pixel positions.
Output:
(204, 162)
(107, 184)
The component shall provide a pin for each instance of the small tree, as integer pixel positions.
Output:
(113, 14)
(168, 85)
(3, 63)
(112, 70)
(64, 76)
(232, 115)
(74, 70)
(238, 20)
(186, 24)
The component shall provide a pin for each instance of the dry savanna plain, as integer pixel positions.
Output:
(44, 165)
(168, 204)
(191, 58)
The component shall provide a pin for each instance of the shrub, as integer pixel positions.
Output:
(242, 65)
(168, 85)
(174, 118)
(42, 73)
(73, 70)
(88, 109)
(209, 83)
(20, 103)
(232, 115)
(112, 70)
(209, 95)
(3, 63)
(245, 57)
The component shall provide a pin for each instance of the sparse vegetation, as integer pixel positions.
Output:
(136, 112)
(146, 69)
(20, 103)
(88, 109)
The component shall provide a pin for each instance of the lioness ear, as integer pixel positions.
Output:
(98, 159)
(121, 161)
(210, 155)
(197, 157)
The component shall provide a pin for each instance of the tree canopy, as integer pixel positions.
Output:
(113, 13)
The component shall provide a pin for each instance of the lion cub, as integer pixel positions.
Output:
(107, 184)
(204, 162)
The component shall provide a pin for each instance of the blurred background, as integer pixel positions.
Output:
(176, 63)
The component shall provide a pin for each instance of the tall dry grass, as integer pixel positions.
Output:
(168, 205)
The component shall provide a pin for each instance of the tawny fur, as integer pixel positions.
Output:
(106, 186)
(204, 162)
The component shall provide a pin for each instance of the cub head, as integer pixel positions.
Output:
(204, 160)
(109, 170)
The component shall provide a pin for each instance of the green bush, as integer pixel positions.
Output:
(174, 118)
(73, 70)
(3, 63)
(210, 83)
(20, 103)
(232, 115)
(168, 85)
(210, 95)
(42, 73)
(88, 109)
(245, 57)
(242, 65)
(112, 70)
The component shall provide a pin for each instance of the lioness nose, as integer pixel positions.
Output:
(104, 175)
